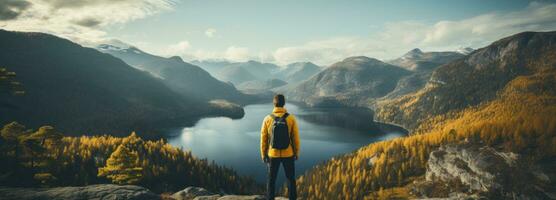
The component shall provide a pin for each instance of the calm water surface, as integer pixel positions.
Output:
(324, 133)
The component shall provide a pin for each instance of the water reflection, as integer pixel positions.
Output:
(324, 133)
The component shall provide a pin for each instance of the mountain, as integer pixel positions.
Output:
(298, 72)
(211, 66)
(261, 86)
(483, 128)
(239, 72)
(186, 79)
(82, 91)
(258, 69)
(235, 75)
(475, 79)
(422, 64)
(353, 81)
(417, 60)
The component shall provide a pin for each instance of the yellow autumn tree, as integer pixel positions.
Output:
(122, 167)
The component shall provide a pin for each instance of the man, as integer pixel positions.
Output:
(280, 145)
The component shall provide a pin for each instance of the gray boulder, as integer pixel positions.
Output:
(102, 191)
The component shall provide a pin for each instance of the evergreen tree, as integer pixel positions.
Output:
(122, 167)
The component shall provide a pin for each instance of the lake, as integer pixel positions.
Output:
(324, 133)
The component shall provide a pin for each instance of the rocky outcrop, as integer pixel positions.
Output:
(197, 193)
(476, 171)
(191, 193)
(104, 191)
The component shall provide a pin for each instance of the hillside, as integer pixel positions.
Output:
(353, 81)
(500, 97)
(417, 60)
(82, 91)
(180, 76)
(235, 75)
(475, 79)
(422, 64)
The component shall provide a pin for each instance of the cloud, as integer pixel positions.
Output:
(178, 48)
(210, 32)
(11, 9)
(79, 20)
(398, 37)
(237, 53)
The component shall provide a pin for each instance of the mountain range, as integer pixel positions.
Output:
(254, 76)
(83, 91)
(475, 79)
(338, 86)
(182, 77)
(352, 81)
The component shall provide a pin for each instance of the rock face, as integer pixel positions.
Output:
(104, 191)
(471, 170)
(477, 167)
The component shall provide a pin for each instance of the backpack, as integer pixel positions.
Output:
(280, 138)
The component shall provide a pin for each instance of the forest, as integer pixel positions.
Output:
(44, 157)
(521, 120)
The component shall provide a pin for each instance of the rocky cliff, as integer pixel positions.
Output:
(475, 171)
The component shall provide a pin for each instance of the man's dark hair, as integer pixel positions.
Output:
(279, 100)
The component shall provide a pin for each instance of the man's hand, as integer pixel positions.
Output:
(295, 157)
(266, 159)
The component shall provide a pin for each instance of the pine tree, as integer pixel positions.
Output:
(122, 167)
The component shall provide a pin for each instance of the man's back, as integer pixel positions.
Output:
(266, 130)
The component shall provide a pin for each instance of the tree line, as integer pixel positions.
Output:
(46, 158)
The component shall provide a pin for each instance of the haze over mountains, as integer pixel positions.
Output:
(255, 76)
(180, 76)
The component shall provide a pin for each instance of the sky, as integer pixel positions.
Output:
(282, 32)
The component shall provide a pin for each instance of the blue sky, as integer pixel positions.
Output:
(287, 31)
(265, 25)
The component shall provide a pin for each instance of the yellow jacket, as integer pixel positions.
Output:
(265, 135)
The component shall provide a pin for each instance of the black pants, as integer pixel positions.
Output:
(289, 168)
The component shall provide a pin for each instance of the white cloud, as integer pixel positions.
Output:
(179, 48)
(237, 53)
(210, 32)
(398, 37)
(80, 20)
